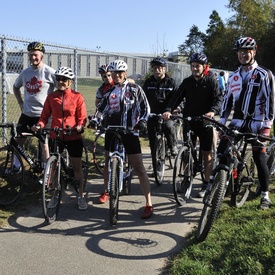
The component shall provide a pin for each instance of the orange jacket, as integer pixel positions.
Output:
(67, 109)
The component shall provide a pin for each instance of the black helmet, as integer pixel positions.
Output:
(198, 57)
(247, 43)
(36, 46)
(103, 69)
(158, 61)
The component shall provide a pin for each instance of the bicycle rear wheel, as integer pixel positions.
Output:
(51, 190)
(85, 167)
(212, 205)
(11, 176)
(98, 152)
(114, 191)
(158, 159)
(244, 181)
(127, 180)
(183, 175)
(271, 159)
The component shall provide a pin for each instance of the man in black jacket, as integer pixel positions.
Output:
(202, 96)
(159, 89)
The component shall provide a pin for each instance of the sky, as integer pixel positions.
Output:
(143, 26)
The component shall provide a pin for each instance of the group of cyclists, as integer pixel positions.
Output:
(249, 98)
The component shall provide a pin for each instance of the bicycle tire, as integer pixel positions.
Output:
(98, 152)
(127, 180)
(271, 159)
(242, 188)
(183, 175)
(114, 191)
(51, 189)
(179, 131)
(85, 168)
(201, 165)
(11, 181)
(212, 204)
(158, 159)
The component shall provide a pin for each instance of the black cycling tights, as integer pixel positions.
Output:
(263, 173)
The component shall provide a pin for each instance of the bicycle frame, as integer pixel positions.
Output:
(13, 143)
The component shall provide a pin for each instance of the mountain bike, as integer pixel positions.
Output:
(160, 152)
(119, 169)
(237, 175)
(13, 163)
(188, 163)
(58, 174)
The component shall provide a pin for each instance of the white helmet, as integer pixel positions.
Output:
(118, 66)
(65, 71)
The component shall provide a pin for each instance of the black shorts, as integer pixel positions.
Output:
(26, 122)
(131, 143)
(74, 147)
(24, 126)
(205, 135)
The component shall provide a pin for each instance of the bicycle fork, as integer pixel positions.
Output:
(119, 158)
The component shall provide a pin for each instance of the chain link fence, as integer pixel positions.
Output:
(84, 62)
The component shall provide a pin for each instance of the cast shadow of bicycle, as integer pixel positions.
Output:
(132, 238)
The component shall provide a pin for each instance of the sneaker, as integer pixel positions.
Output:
(174, 151)
(147, 212)
(53, 202)
(82, 204)
(265, 203)
(202, 191)
(103, 198)
(14, 170)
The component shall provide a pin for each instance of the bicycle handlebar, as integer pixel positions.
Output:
(235, 133)
(66, 131)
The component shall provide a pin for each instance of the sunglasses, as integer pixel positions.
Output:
(107, 75)
(63, 79)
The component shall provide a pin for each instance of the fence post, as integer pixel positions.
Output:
(75, 69)
(4, 71)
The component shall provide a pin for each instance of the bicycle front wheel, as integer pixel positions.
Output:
(98, 152)
(212, 204)
(11, 176)
(114, 191)
(158, 159)
(51, 190)
(183, 175)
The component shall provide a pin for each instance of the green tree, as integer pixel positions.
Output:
(254, 18)
(194, 43)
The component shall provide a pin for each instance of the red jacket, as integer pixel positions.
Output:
(67, 109)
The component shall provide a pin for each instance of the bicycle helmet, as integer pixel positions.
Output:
(198, 57)
(65, 71)
(118, 66)
(245, 43)
(103, 69)
(36, 46)
(158, 61)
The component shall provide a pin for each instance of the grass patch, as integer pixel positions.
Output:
(242, 241)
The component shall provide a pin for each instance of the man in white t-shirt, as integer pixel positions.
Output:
(38, 81)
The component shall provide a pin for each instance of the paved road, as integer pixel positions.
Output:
(83, 242)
